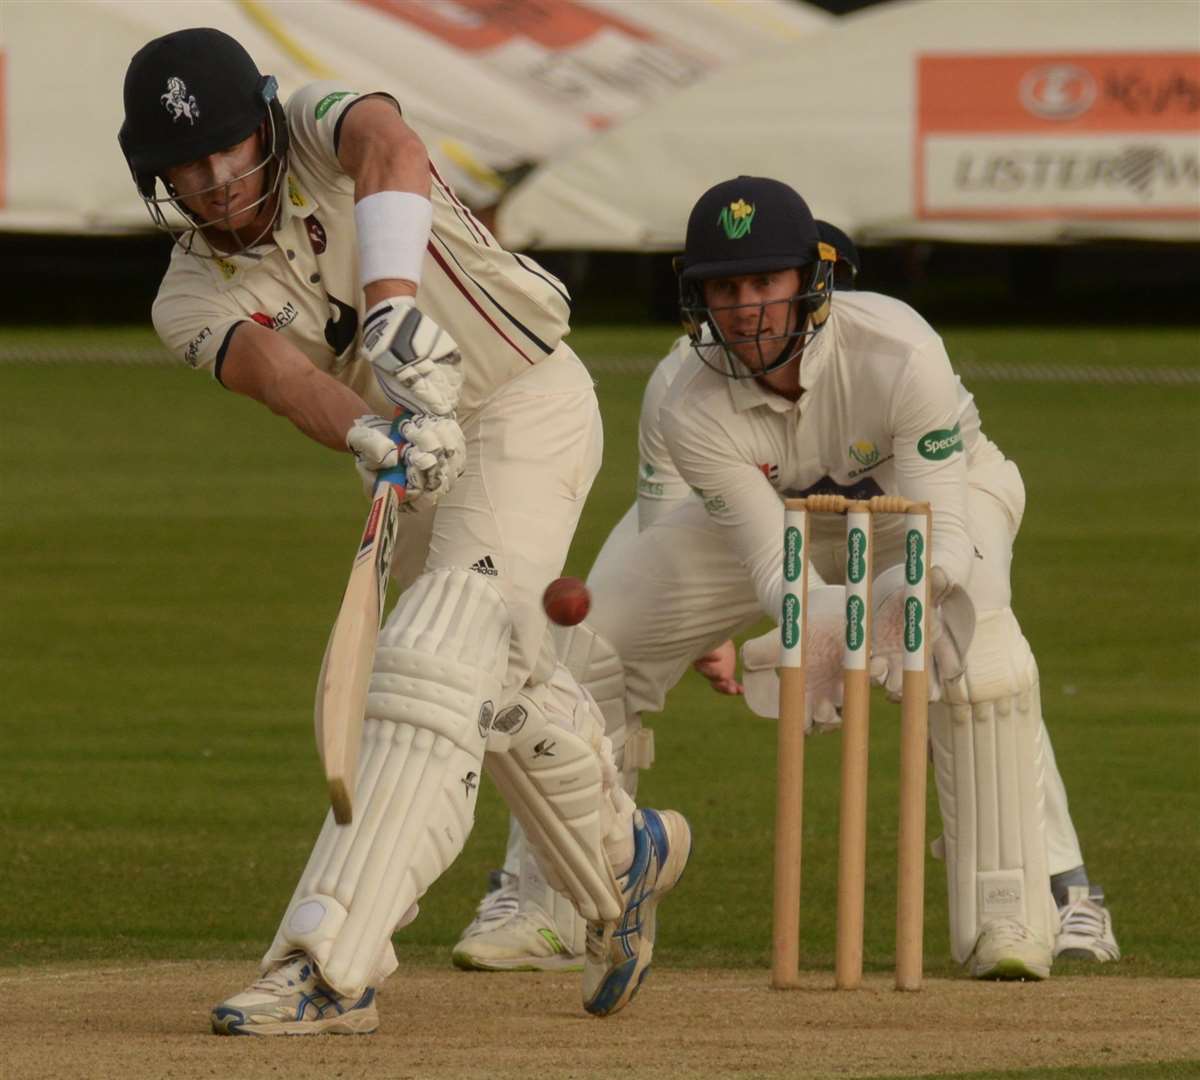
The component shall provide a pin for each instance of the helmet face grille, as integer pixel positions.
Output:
(810, 306)
(168, 212)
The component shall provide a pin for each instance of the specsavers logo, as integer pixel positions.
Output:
(793, 550)
(790, 622)
(940, 443)
(736, 219)
(329, 101)
(646, 484)
(714, 504)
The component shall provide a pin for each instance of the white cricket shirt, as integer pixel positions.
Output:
(881, 413)
(504, 311)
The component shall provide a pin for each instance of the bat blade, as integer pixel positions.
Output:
(349, 656)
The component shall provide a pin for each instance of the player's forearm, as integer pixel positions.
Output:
(318, 405)
(263, 366)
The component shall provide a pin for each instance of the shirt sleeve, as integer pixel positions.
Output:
(930, 462)
(660, 488)
(737, 496)
(315, 113)
(194, 321)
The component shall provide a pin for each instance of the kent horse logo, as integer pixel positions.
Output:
(178, 102)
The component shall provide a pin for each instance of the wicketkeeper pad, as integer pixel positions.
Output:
(439, 668)
(989, 762)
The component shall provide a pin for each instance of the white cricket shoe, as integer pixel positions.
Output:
(1005, 949)
(290, 999)
(618, 953)
(1086, 931)
(527, 941)
(522, 925)
(499, 904)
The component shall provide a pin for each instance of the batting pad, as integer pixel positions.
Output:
(439, 668)
(989, 763)
(598, 669)
(554, 768)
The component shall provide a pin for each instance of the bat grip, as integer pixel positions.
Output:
(397, 475)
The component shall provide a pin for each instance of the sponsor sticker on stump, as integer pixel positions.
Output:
(916, 544)
(793, 545)
(791, 621)
(856, 623)
(858, 575)
(856, 550)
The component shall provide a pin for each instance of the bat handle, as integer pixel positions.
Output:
(397, 475)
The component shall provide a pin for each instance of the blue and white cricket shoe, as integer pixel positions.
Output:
(290, 999)
(618, 953)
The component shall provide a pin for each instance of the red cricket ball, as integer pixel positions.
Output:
(566, 601)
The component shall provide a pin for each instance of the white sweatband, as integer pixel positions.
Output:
(393, 229)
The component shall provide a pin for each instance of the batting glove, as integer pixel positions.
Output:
(432, 450)
(417, 364)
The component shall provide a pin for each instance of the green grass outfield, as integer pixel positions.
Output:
(173, 556)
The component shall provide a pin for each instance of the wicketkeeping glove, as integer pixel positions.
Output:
(951, 628)
(823, 647)
(433, 452)
(417, 364)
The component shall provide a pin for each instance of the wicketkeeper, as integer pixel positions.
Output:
(789, 385)
(320, 268)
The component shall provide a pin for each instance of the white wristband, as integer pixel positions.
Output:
(393, 229)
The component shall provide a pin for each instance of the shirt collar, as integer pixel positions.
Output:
(749, 394)
(298, 204)
(816, 355)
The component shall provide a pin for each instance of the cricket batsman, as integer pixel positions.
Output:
(321, 268)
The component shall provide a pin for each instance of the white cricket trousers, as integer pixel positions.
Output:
(533, 450)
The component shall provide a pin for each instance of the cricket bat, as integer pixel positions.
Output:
(350, 654)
